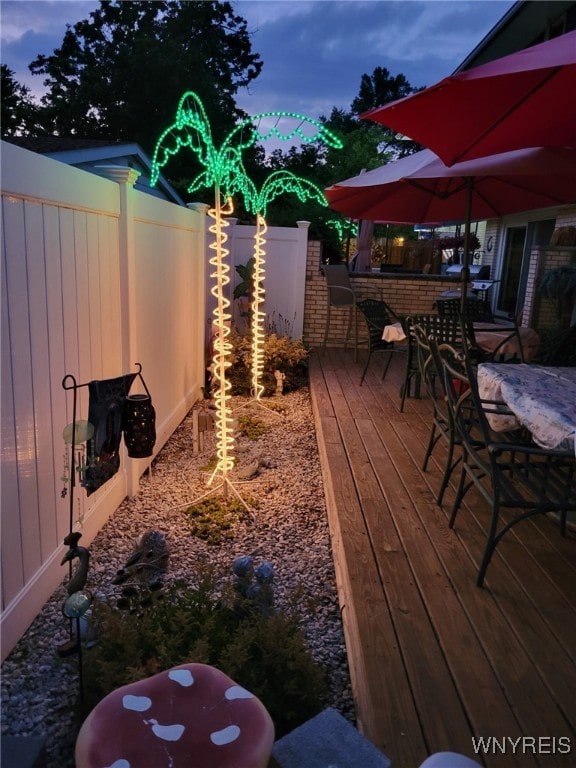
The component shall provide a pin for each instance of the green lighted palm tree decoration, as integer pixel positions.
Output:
(224, 171)
(278, 183)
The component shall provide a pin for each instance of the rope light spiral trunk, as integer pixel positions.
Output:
(222, 343)
(257, 321)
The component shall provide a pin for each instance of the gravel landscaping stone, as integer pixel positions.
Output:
(287, 527)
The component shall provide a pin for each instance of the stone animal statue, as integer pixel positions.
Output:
(254, 584)
(149, 561)
(80, 575)
(280, 378)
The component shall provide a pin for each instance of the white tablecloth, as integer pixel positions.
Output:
(394, 332)
(542, 399)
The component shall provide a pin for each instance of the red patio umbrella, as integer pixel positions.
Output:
(420, 189)
(522, 100)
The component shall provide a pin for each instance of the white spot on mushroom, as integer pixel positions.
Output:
(225, 736)
(183, 677)
(167, 732)
(136, 703)
(237, 692)
(119, 764)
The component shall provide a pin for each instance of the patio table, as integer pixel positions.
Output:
(542, 398)
(490, 335)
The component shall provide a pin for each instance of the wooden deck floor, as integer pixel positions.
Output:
(435, 661)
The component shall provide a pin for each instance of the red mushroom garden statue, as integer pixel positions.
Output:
(190, 716)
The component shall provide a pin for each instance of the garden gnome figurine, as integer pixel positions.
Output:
(279, 376)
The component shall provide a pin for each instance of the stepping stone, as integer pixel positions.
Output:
(192, 712)
(23, 752)
(327, 740)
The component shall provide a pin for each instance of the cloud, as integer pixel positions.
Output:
(28, 29)
(49, 17)
(314, 52)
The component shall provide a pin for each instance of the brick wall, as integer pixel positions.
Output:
(405, 294)
(543, 311)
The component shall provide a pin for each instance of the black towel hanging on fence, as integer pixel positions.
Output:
(105, 412)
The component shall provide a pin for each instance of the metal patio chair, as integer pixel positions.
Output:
(477, 318)
(444, 329)
(475, 310)
(341, 294)
(441, 330)
(507, 469)
(377, 315)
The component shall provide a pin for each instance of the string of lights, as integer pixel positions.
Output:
(222, 343)
(224, 171)
(258, 316)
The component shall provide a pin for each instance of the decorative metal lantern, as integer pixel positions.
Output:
(139, 425)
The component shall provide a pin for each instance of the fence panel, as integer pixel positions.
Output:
(286, 252)
(63, 312)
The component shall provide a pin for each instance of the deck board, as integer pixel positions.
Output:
(434, 659)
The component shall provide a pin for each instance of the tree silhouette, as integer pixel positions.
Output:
(119, 71)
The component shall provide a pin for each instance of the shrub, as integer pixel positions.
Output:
(214, 518)
(280, 353)
(252, 428)
(267, 654)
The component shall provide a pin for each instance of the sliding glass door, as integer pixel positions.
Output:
(518, 245)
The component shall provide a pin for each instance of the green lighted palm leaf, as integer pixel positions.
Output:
(191, 129)
(223, 167)
(284, 182)
(251, 127)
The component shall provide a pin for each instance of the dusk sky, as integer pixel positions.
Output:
(314, 52)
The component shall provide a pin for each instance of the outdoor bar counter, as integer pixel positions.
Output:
(406, 293)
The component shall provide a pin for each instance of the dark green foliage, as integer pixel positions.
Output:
(121, 72)
(245, 271)
(557, 348)
(18, 109)
(213, 519)
(252, 428)
(559, 285)
(380, 88)
(267, 654)
(280, 353)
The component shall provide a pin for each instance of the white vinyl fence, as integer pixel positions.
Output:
(97, 277)
(285, 272)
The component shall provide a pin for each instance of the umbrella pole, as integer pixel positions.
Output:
(465, 273)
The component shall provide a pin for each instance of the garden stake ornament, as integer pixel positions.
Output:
(224, 171)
